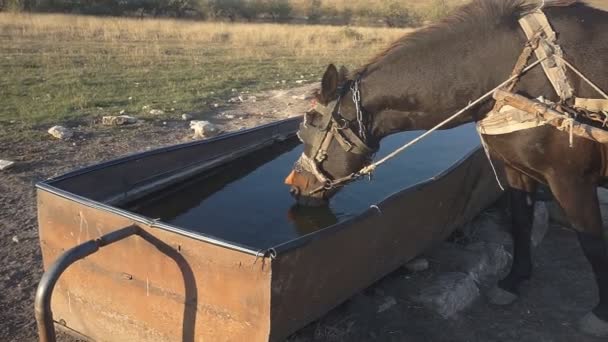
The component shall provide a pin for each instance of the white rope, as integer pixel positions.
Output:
(580, 74)
(369, 169)
(487, 150)
(568, 124)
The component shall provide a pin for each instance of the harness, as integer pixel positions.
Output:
(511, 112)
(333, 126)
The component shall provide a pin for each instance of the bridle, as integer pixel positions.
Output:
(333, 126)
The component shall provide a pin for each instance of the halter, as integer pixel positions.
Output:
(333, 126)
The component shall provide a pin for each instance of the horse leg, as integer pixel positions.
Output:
(578, 199)
(521, 202)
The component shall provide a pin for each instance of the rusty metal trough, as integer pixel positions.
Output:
(143, 280)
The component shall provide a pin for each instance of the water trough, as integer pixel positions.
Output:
(208, 249)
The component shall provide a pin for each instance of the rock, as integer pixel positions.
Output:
(299, 81)
(299, 98)
(252, 98)
(480, 260)
(449, 294)
(156, 112)
(186, 117)
(216, 105)
(204, 129)
(417, 265)
(229, 116)
(145, 108)
(500, 297)
(493, 260)
(15, 239)
(122, 112)
(540, 227)
(388, 303)
(118, 120)
(60, 132)
(6, 164)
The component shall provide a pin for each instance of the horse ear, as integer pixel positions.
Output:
(329, 85)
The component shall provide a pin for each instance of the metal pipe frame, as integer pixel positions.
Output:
(44, 293)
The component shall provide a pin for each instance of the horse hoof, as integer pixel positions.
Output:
(593, 325)
(501, 297)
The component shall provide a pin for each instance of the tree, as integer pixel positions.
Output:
(279, 10)
(315, 12)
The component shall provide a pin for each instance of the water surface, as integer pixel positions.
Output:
(247, 202)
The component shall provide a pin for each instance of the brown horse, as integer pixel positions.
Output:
(429, 74)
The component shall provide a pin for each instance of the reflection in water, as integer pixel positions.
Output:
(170, 204)
(247, 202)
(308, 220)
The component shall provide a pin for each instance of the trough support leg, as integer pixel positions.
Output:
(44, 293)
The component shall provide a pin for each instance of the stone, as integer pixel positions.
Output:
(187, 117)
(60, 132)
(417, 265)
(204, 129)
(388, 303)
(540, 227)
(229, 116)
(449, 294)
(494, 259)
(118, 120)
(6, 164)
(593, 326)
(480, 260)
(15, 239)
(500, 297)
(156, 112)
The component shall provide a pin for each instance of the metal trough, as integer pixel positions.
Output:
(150, 281)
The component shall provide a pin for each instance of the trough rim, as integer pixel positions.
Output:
(272, 252)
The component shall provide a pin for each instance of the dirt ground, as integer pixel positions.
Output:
(560, 292)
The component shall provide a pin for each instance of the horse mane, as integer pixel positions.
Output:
(479, 14)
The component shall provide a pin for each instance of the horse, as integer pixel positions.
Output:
(434, 71)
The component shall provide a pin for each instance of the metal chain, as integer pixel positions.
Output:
(357, 100)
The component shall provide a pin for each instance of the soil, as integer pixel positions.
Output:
(561, 291)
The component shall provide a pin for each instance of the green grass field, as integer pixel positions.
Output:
(56, 68)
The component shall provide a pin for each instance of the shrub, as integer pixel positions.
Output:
(315, 12)
(279, 10)
(395, 14)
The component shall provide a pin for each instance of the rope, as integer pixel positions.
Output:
(568, 124)
(370, 168)
(580, 74)
(487, 150)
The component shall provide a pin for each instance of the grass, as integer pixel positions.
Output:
(55, 68)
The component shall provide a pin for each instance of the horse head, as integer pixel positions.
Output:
(334, 134)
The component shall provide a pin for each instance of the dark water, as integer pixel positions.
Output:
(247, 202)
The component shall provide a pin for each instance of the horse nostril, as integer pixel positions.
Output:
(294, 191)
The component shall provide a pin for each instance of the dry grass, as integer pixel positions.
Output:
(56, 67)
(367, 6)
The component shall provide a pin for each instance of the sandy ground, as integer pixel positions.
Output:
(560, 292)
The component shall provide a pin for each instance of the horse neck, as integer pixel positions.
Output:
(421, 85)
